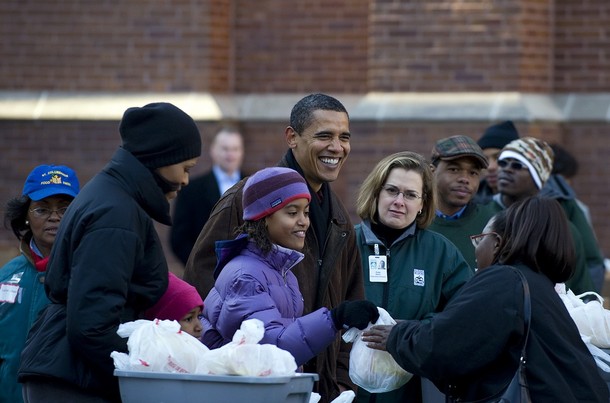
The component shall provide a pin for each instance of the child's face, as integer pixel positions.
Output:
(190, 323)
(287, 226)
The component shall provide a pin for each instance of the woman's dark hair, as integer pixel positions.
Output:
(498, 225)
(538, 235)
(16, 212)
(257, 231)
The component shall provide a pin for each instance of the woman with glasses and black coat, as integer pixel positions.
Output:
(408, 270)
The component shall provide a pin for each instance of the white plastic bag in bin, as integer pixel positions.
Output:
(374, 370)
(160, 346)
(244, 356)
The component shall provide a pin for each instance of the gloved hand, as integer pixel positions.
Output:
(354, 314)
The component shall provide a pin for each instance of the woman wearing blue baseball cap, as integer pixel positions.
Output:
(34, 218)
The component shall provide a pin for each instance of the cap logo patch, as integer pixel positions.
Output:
(56, 178)
(276, 202)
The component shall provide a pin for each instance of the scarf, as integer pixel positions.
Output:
(40, 263)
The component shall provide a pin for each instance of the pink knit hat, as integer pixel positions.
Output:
(177, 301)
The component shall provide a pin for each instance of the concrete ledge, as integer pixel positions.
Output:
(27, 105)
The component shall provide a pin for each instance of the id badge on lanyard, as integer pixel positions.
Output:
(378, 267)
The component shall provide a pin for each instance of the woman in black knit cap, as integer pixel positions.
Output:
(107, 265)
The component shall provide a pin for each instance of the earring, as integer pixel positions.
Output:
(27, 222)
(419, 212)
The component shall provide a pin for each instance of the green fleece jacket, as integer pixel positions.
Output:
(425, 270)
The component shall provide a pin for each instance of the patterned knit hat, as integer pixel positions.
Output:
(270, 189)
(159, 135)
(455, 147)
(179, 299)
(536, 154)
(498, 135)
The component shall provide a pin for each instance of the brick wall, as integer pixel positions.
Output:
(582, 46)
(113, 46)
(345, 46)
(301, 46)
(473, 45)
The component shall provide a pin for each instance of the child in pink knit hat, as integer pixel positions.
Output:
(181, 302)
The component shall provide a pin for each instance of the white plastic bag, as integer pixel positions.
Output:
(347, 396)
(602, 358)
(243, 356)
(159, 346)
(591, 318)
(374, 370)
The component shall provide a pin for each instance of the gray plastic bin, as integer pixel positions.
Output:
(160, 387)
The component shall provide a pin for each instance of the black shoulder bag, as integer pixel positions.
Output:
(517, 390)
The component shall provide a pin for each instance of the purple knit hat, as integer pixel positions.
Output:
(179, 299)
(270, 189)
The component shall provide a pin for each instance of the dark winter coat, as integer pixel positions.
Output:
(475, 342)
(107, 266)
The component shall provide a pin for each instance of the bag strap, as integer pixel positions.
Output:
(527, 316)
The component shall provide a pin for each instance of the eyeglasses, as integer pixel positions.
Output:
(514, 165)
(41, 212)
(476, 239)
(393, 192)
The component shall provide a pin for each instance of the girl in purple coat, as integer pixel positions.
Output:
(254, 279)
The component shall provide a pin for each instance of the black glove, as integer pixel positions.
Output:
(354, 314)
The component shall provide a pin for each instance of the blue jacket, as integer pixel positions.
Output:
(251, 285)
(106, 267)
(17, 316)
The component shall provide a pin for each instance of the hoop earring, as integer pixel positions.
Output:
(419, 212)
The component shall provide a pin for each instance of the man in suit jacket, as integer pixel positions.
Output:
(195, 201)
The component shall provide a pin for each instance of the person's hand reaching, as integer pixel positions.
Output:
(354, 314)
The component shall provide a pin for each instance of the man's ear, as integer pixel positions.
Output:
(432, 167)
(291, 137)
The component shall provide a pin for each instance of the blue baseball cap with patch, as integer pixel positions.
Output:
(51, 180)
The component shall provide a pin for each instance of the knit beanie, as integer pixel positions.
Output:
(270, 189)
(498, 135)
(536, 154)
(179, 299)
(160, 134)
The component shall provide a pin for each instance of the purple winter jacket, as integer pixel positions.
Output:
(250, 285)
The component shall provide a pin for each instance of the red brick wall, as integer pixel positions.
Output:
(301, 46)
(113, 46)
(472, 45)
(279, 46)
(582, 46)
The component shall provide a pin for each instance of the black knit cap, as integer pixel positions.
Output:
(160, 134)
(498, 135)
